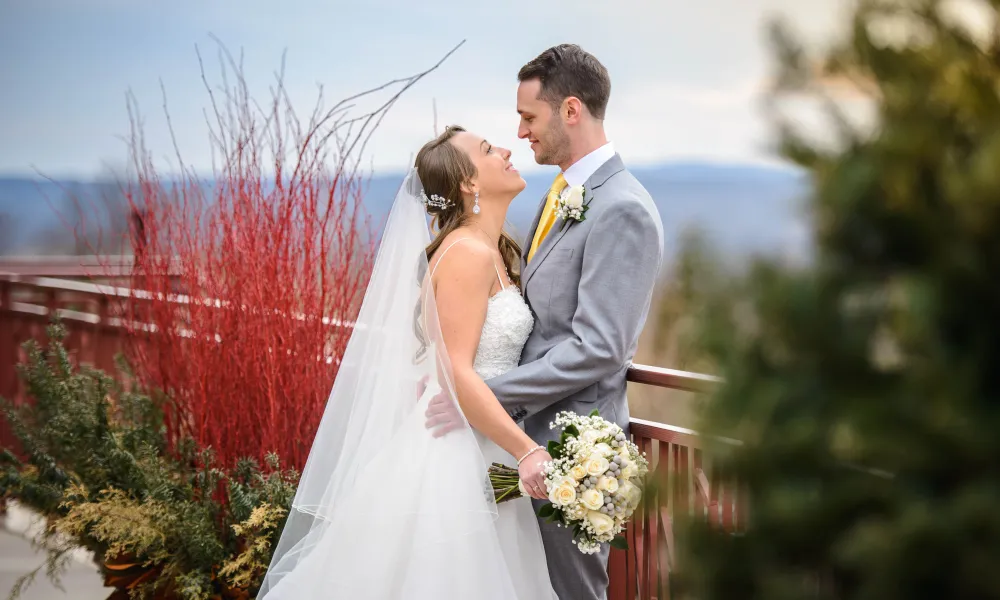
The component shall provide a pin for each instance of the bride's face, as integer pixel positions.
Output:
(495, 174)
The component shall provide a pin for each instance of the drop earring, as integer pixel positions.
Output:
(475, 207)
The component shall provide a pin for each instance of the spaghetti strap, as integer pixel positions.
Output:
(499, 278)
(452, 245)
(441, 257)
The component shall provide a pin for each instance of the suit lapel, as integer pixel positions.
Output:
(526, 247)
(546, 246)
(534, 225)
(611, 167)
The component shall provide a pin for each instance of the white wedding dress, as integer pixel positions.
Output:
(506, 329)
(384, 510)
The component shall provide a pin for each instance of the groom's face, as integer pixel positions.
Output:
(540, 124)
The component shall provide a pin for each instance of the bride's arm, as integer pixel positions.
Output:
(462, 288)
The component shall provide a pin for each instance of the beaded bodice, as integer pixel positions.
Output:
(505, 330)
(508, 324)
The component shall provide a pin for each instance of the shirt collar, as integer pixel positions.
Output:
(579, 172)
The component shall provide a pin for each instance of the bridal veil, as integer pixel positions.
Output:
(383, 509)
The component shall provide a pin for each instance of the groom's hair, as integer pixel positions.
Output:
(568, 70)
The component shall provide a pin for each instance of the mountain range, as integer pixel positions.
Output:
(743, 210)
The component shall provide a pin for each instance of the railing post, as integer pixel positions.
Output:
(8, 341)
(51, 302)
(5, 294)
(101, 339)
(667, 562)
(8, 359)
(650, 527)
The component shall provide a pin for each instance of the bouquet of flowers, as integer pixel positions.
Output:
(594, 480)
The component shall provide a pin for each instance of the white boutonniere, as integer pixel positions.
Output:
(573, 205)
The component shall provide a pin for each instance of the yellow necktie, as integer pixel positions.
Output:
(548, 217)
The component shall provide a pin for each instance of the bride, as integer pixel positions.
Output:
(383, 509)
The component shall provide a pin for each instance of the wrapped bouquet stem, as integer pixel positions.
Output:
(506, 483)
(594, 481)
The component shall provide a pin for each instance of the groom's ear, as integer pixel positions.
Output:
(572, 110)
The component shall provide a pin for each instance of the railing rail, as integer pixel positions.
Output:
(673, 379)
(82, 266)
(686, 486)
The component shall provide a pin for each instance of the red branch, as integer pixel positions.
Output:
(249, 282)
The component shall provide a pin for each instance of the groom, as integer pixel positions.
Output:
(589, 283)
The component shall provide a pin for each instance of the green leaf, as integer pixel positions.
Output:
(619, 543)
(595, 413)
(546, 510)
(554, 448)
(572, 430)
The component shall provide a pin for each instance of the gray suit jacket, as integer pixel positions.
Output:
(589, 286)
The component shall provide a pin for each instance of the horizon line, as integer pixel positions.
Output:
(394, 171)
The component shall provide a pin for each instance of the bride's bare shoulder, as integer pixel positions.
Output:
(462, 256)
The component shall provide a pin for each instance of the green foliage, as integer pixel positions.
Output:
(95, 462)
(865, 387)
(258, 532)
(696, 273)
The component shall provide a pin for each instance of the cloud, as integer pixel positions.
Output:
(667, 120)
(653, 122)
(684, 75)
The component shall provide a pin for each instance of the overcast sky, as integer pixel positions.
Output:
(685, 74)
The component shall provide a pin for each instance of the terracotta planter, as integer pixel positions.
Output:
(125, 574)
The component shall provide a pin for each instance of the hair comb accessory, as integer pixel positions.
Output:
(435, 201)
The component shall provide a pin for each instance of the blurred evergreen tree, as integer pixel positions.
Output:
(866, 387)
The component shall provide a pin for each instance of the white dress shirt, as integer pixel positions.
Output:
(579, 172)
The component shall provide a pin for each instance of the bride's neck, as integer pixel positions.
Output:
(489, 221)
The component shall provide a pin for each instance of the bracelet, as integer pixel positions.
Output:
(529, 453)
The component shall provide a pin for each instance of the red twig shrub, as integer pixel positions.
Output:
(245, 285)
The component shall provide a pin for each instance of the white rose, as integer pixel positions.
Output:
(591, 435)
(578, 472)
(574, 197)
(630, 470)
(632, 493)
(596, 465)
(608, 484)
(563, 494)
(576, 512)
(604, 449)
(592, 499)
(602, 523)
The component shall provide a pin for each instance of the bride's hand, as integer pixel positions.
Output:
(532, 474)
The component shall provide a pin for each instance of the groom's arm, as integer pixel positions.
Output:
(621, 259)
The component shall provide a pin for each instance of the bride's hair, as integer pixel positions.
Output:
(442, 168)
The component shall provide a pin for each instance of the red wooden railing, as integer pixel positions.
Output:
(685, 485)
(94, 331)
(96, 269)
(92, 314)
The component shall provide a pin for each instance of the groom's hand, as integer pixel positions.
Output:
(442, 414)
